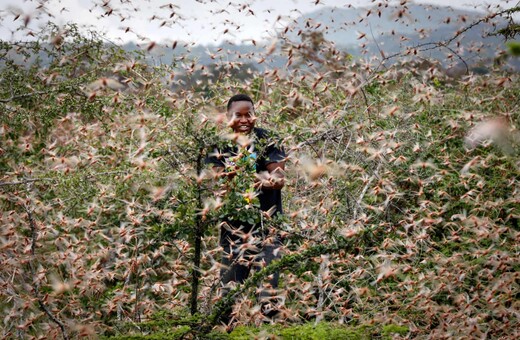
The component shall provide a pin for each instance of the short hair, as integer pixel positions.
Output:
(239, 98)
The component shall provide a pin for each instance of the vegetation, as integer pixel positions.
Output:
(401, 197)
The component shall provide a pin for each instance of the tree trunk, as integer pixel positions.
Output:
(198, 234)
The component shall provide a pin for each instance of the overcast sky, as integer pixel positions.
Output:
(204, 21)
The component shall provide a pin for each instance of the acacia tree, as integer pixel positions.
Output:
(85, 177)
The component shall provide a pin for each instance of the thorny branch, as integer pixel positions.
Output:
(24, 95)
(363, 192)
(433, 45)
(32, 180)
(321, 286)
(342, 244)
(25, 181)
(71, 87)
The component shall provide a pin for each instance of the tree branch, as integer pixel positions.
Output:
(25, 181)
(433, 45)
(284, 263)
(363, 192)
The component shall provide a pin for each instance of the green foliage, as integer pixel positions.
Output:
(394, 215)
(514, 48)
(170, 334)
(307, 331)
(162, 325)
(389, 331)
(310, 331)
(241, 202)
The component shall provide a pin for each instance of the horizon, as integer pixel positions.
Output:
(142, 22)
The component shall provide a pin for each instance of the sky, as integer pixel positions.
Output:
(167, 21)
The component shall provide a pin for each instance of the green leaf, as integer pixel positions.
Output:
(514, 48)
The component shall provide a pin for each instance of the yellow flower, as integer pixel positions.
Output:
(249, 196)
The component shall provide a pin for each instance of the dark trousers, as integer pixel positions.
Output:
(245, 246)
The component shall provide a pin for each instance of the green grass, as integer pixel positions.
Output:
(308, 331)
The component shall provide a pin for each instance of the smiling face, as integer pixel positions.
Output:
(242, 116)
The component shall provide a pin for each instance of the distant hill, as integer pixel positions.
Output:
(342, 24)
(364, 32)
(393, 29)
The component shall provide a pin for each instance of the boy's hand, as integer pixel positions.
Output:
(219, 172)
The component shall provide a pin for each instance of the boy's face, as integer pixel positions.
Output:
(242, 117)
